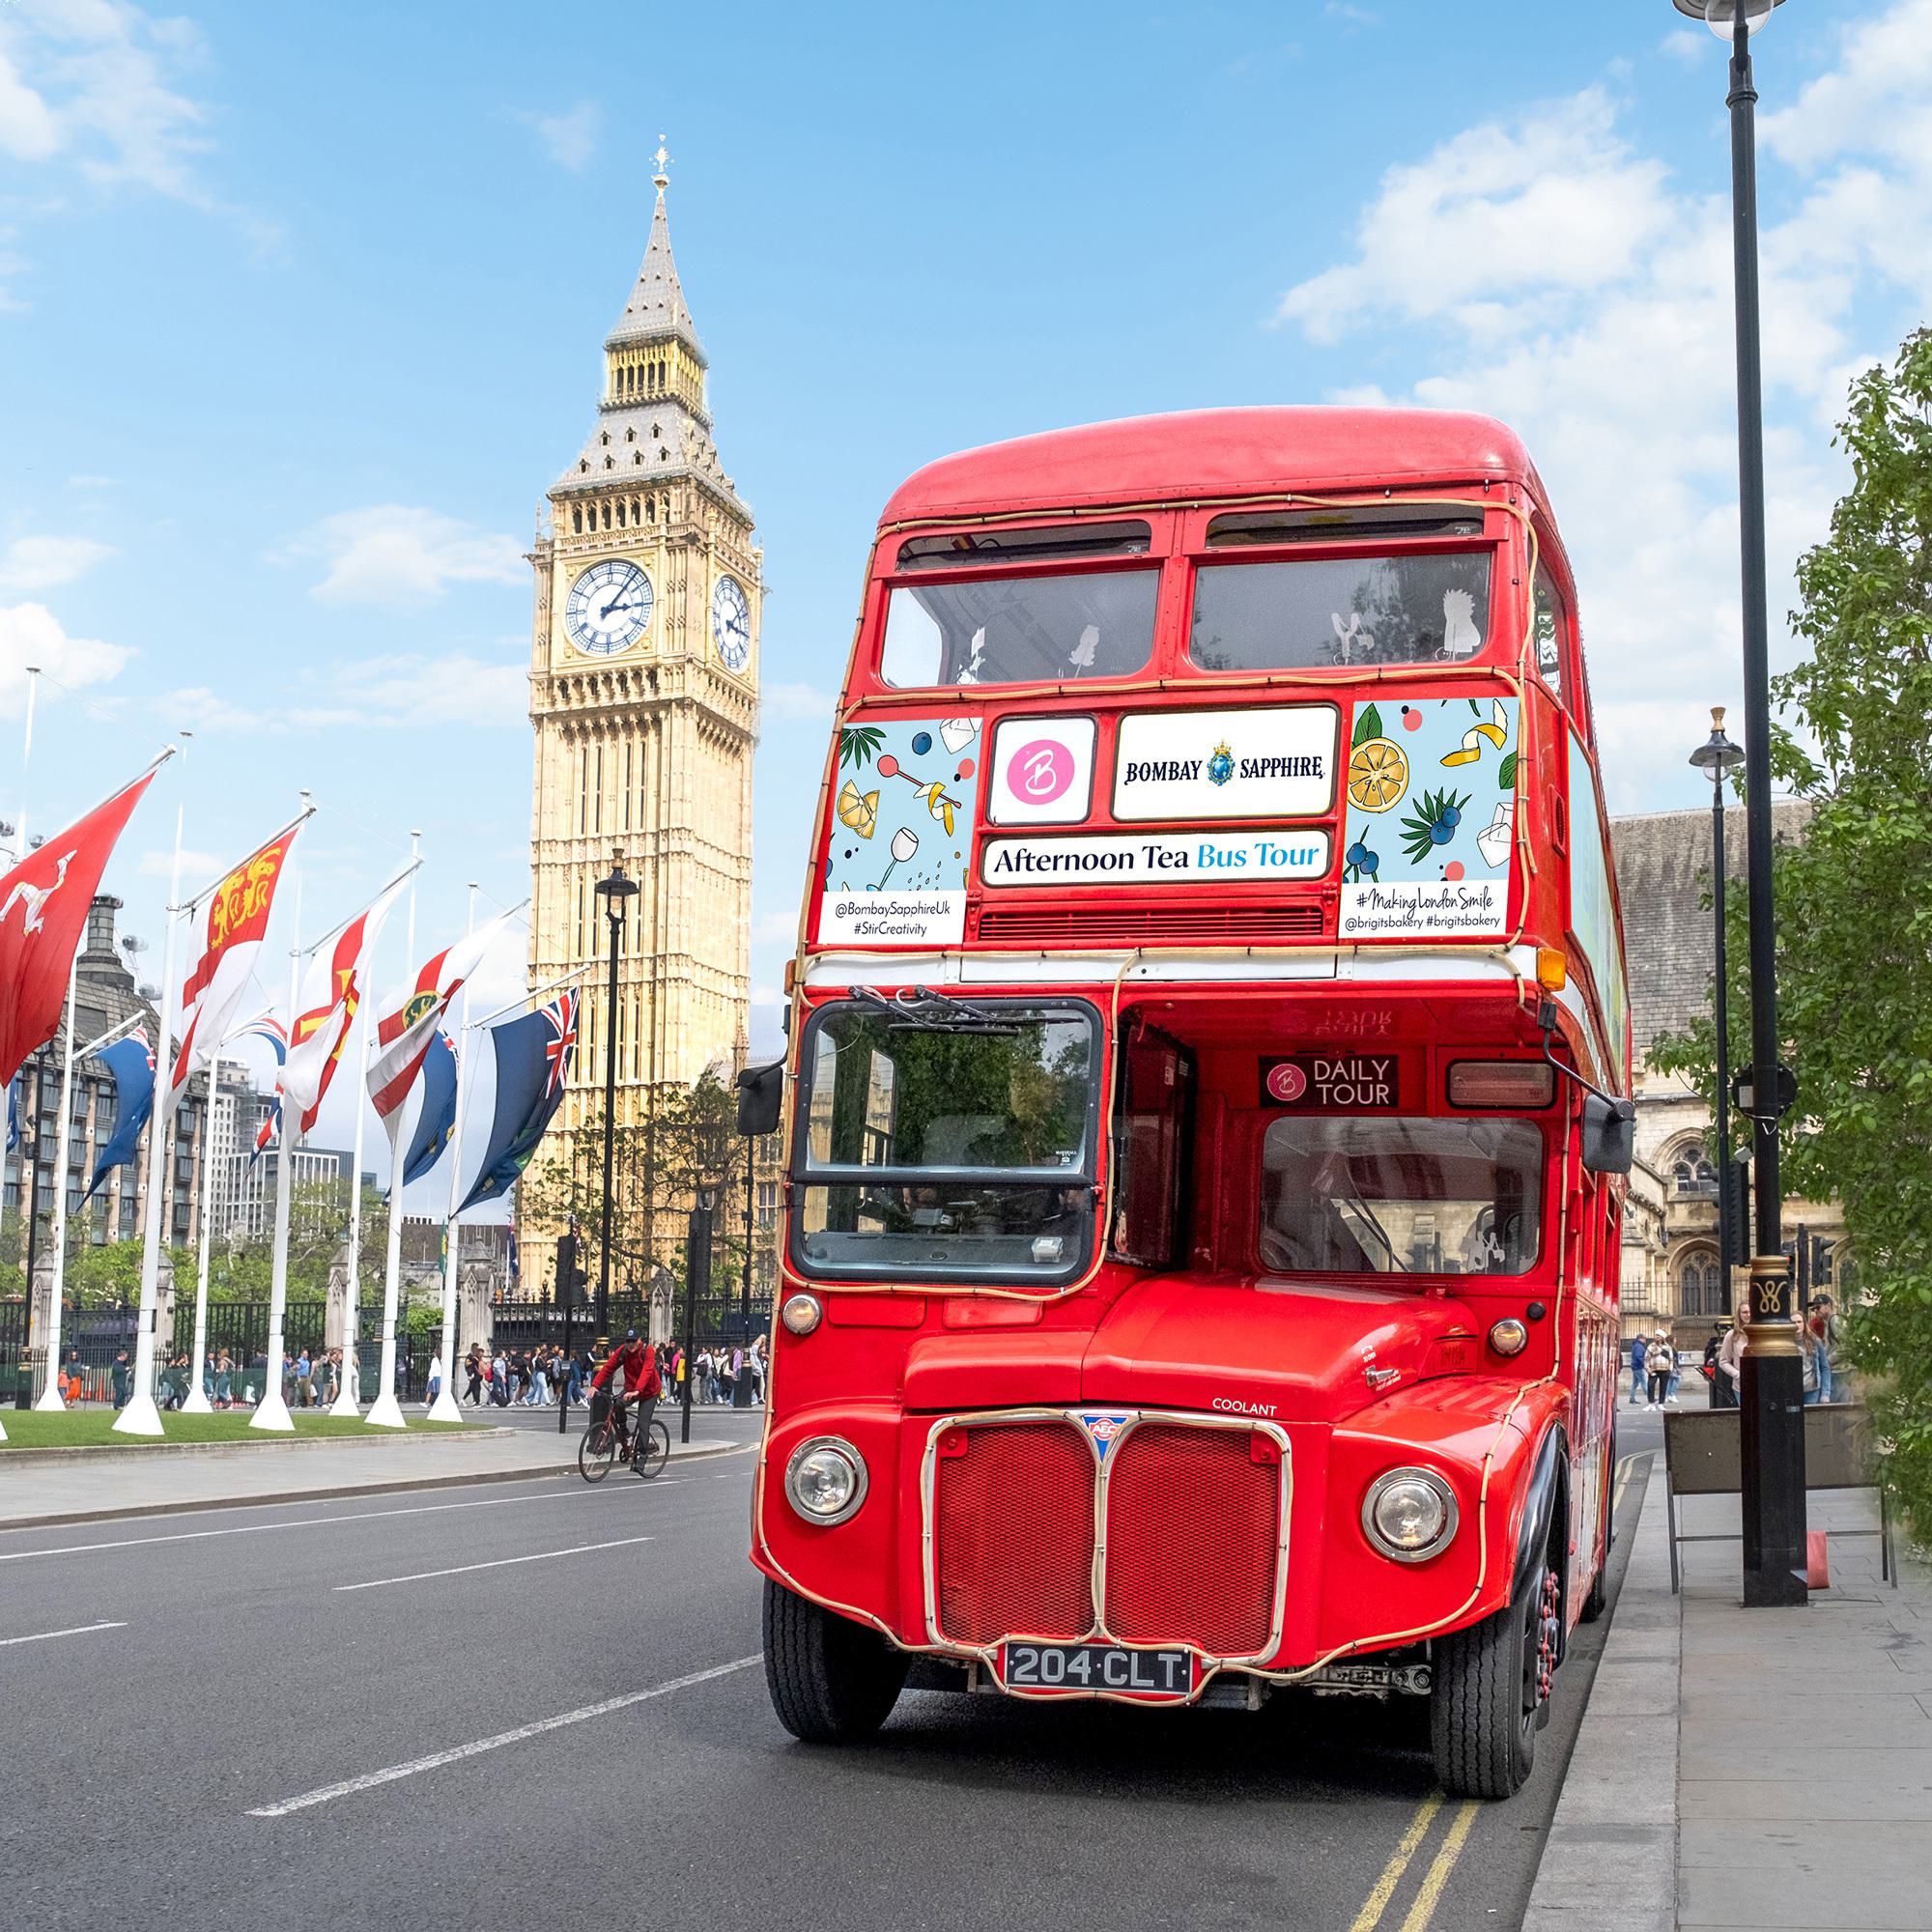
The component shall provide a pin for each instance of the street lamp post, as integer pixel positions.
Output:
(616, 891)
(1716, 757)
(1771, 1387)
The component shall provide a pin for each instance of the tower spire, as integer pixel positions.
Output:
(656, 311)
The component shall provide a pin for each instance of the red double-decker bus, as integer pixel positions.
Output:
(1206, 1092)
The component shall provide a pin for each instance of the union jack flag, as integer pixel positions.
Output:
(561, 1017)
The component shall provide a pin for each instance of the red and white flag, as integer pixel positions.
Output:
(330, 1003)
(235, 924)
(403, 1036)
(44, 903)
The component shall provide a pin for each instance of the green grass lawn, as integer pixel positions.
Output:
(79, 1427)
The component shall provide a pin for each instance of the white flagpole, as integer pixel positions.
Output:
(197, 1401)
(51, 1396)
(445, 1408)
(272, 1411)
(26, 760)
(385, 1412)
(141, 1417)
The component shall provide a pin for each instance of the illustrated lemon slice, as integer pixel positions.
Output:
(860, 811)
(1378, 774)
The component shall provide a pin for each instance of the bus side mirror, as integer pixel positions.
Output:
(1609, 1135)
(760, 1096)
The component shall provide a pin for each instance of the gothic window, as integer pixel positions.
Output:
(629, 436)
(607, 516)
(576, 521)
(1700, 1286)
(581, 467)
(605, 439)
(1693, 1174)
(610, 463)
(620, 512)
(656, 432)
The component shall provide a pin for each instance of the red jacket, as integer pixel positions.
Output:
(640, 1369)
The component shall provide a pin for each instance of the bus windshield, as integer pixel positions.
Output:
(1020, 630)
(1314, 612)
(935, 1149)
(1374, 1194)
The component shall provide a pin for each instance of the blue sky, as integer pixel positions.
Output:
(268, 272)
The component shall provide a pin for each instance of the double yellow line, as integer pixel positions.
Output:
(1435, 1881)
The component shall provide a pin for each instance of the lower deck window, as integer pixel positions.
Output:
(966, 1228)
(1382, 1195)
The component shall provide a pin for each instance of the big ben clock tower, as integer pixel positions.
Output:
(645, 695)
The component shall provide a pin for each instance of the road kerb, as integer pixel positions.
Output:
(338, 1492)
(1610, 1863)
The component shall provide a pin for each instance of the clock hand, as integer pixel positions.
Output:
(614, 605)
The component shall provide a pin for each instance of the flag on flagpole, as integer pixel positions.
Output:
(436, 1117)
(403, 1036)
(131, 1062)
(319, 1031)
(44, 903)
(235, 925)
(267, 1027)
(533, 1056)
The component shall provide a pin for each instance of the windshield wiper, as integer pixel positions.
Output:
(1368, 1214)
(924, 1011)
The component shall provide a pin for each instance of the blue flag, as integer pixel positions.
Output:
(12, 1113)
(437, 1121)
(532, 1064)
(131, 1061)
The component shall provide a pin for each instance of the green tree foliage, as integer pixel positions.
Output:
(1855, 901)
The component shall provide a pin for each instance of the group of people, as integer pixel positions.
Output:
(539, 1377)
(1654, 1369)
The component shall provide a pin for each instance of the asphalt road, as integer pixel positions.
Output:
(371, 1712)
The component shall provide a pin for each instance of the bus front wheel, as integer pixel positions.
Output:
(1490, 1695)
(832, 1681)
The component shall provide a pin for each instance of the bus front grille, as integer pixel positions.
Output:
(1013, 1532)
(1194, 1538)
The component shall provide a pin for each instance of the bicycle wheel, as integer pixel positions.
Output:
(653, 1452)
(596, 1452)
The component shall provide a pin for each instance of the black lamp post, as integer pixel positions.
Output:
(1771, 1388)
(616, 891)
(1716, 757)
(697, 1282)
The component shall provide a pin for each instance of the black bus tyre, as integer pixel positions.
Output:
(832, 1681)
(1483, 1711)
(596, 1452)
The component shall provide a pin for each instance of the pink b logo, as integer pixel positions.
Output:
(1287, 1083)
(1041, 771)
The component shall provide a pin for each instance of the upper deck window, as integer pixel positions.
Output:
(1381, 1195)
(1019, 630)
(1039, 545)
(1551, 621)
(1317, 613)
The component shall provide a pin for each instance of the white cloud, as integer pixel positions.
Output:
(569, 138)
(803, 701)
(30, 634)
(391, 693)
(40, 563)
(1601, 327)
(392, 553)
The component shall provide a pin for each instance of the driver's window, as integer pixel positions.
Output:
(1151, 1140)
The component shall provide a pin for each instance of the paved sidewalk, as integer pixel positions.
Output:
(83, 1489)
(1765, 1770)
(1804, 1755)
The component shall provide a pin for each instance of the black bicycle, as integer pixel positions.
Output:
(646, 1450)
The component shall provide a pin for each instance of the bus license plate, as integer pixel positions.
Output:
(1099, 1667)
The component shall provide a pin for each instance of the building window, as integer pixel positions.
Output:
(1693, 1177)
(1700, 1286)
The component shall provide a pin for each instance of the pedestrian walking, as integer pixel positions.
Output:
(1731, 1361)
(1659, 1359)
(1711, 1376)
(1639, 1349)
(435, 1377)
(1819, 1319)
(123, 1376)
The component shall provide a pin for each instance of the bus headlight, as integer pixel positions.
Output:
(1509, 1337)
(1409, 1515)
(801, 1314)
(825, 1480)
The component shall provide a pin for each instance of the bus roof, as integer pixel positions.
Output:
(1215, 453)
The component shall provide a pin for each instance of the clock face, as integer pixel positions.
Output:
(731, 623)
(608, 608)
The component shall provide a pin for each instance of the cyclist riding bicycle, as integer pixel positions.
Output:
(641, 1386)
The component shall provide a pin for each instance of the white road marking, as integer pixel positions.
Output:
(76, 1630)
(390, 1772)
(498, 1563)
(311, 1522)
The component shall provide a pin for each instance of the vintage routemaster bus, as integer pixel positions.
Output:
(1206, 1092)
